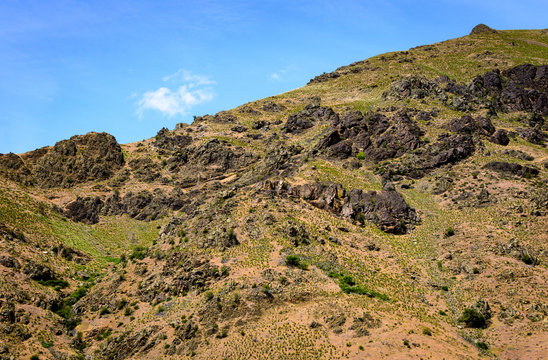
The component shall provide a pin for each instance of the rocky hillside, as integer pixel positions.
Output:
(396, 207)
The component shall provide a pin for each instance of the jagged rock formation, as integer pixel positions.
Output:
(94, 156)
(387, 209)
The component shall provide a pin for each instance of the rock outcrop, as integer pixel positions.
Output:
(82, 158)
(387, 209)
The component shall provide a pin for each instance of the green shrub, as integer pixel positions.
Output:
(46, 344)
(473, 319)
(208, 295)
(348, 285)
(35, 357)
(295, 261)
(139, 253)
(104, 311)
(482, 346)
(360, 155)
(56, 284)
(449, 232)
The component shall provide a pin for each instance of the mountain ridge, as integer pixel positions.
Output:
(395, 207)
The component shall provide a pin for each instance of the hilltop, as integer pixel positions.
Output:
(395, 207)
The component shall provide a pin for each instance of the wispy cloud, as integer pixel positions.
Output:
(189, 77)
(189, 90)
(282, 73)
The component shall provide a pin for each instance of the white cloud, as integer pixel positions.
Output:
(189, 77)
(282, 74)
(195, 90)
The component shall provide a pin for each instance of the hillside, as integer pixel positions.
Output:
(396, 207)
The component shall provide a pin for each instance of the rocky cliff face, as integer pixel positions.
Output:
(82, 158)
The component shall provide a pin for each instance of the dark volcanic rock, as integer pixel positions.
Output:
(403, 136)
(469, 125)
(447, 150)
(84, 210)
(387, 208)
(500, 137)
(145, 169)
(90, 157)
(521, 88)
(324, 77)
(37, 271)
(308, 117)
(271, 106)
(482, 29)
(259, 124)
(415, 87)
(512, 169)
(165, 141)
(239, 129)
(377, 137)
(143, 205)
(532, 135)
(130, 343)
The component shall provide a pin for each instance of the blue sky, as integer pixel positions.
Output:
(132, 67)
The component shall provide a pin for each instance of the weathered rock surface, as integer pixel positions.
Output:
(512, 169)
(387, 208)
(94, 156)
(308, 117)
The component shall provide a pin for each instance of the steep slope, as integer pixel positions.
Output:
(394, 208)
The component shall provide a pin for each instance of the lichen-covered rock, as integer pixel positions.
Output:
(482, 29)
(166, 141)
(82, 158)
(308, 117)
(84, 210)
(387, 208)
(512, 169)
(469, 125)
(37, 271)
(500, 137)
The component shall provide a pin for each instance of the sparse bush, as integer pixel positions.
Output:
(482, 346)
(449, 232)
(426, 331)
(139, 253)
(295, 261)
(208, 295)
(56, 284)
(104, 311)
(473, 319)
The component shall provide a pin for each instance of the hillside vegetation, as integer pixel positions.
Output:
(396, 207)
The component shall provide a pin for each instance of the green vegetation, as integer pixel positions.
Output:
(449, 232)
(138, 253)
(472, 318)
(56, 284)
(295, 261)
(349, 286)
